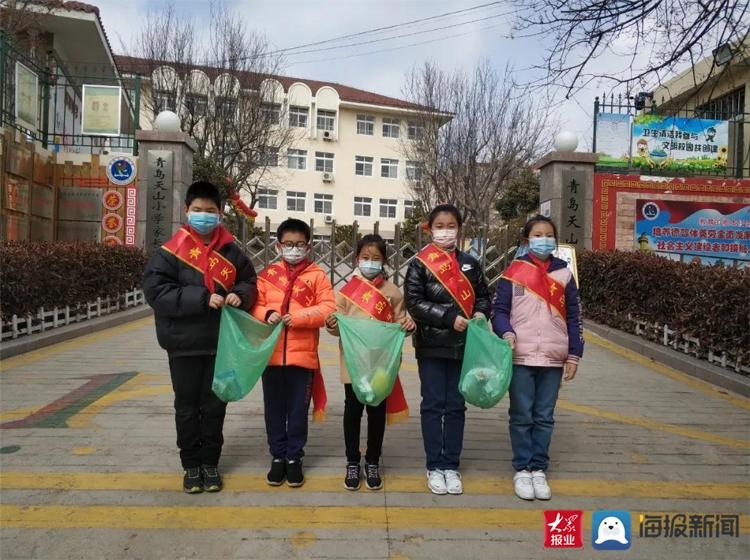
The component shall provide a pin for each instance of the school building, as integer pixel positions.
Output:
(58, 151)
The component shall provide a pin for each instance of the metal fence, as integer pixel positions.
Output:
(336, 253)
(57, 109)
(730, 107)
(46, 319)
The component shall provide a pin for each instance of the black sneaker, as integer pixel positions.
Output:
(192, 483)
(372, 479)
(294, 475)
(352, 480)
(277, 474)
(212, 481)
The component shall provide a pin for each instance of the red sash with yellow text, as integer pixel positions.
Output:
(444, 266)
(277, 276)
(539, 283)
(193, 252)
(365, 295)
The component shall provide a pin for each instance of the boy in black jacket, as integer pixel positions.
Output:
(187, 282)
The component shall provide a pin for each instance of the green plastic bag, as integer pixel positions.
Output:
(487, 366)
(372, 354)
(245, 346)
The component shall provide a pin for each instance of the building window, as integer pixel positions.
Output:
(414, 171)
(408, 208)
(267, 199)
(228, 147)
(363, 166)
(391, 127)
(326, 119)
(324, 162)
(296, 159)
(295, 201)
(415, 131)
(389, 168)
(226, 107)
(725, 107)
(164, 101)
(323, 203)
(366, 125)
(362, 206)
(388, 207)
(298, 117)
(270, 156)
(197, 105)
(271, 112)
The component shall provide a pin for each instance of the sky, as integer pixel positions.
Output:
(289, 23)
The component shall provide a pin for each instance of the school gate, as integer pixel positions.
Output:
(336, 253)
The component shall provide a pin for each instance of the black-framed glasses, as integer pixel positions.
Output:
(293, 245)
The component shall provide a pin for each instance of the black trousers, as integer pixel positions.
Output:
(199, 414)
(353, 410)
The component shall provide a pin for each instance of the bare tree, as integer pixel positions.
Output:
(660, 37)
(472, 131)
(223, 87)
(20, 19)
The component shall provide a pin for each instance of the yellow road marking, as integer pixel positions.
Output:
(168, 482)
(49, 351)
(281, 517)
(17, 413)
(135, 388)
(83, 417)
(85, 450)
(303, 539)
(702, 386)
(650, 424)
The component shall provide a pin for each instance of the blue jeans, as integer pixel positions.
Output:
(533, 394)
(443, 412)
(286, 396)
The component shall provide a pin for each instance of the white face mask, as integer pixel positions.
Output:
(445, 238)
(293, 255)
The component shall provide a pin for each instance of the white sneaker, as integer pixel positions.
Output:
(453, 482)
(436, 482)
(541, 488)
(522, 485)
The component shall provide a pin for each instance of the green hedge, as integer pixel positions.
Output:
(52, 275)
(711, 303)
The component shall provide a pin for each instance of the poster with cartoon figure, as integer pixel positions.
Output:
(679, 144)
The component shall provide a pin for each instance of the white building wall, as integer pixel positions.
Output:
(345, 143)
(346, 184)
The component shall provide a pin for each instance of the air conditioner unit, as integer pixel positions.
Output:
(329, 219)
(328, 136)
(328, 177)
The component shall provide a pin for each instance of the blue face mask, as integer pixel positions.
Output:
(370, 269)
(542, 247)
(203, 222)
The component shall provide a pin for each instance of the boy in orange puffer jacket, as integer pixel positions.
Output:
(298, 293)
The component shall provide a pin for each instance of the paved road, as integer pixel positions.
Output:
(89, 468)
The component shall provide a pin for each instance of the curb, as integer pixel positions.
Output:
(724, 378)
(11, 348)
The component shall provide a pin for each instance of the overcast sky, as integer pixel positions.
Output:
(289, 23)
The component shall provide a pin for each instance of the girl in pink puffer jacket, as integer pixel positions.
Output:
(538, 311)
